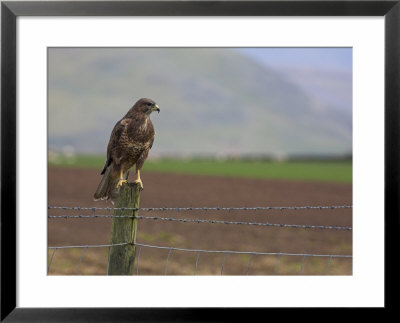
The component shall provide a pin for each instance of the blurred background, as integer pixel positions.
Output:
(276, 102)
(237, 127)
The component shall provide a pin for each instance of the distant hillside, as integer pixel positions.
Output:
(212, 101)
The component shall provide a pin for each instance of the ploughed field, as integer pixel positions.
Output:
(68, 186)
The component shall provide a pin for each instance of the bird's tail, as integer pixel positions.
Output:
(107, 186)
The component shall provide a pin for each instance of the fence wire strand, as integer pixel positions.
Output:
(216, 208)
(91, 246)
(199, 250)
(208, 221)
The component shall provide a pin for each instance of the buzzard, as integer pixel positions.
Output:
(130, 142)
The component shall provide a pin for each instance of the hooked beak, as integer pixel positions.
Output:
(156, 108)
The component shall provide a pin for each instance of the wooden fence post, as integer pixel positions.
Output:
(121, 259)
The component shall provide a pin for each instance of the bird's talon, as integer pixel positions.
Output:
(138, 181)
(121, 181)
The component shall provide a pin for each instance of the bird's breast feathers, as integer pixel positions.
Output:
(144, 125)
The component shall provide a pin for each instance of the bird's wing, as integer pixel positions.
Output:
(151, 144)
(144, 154)
(114, 140)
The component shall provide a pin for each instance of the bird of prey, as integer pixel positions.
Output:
(130, 142)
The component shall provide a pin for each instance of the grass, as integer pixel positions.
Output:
(152, 262)
(326, 171)
(333, 171)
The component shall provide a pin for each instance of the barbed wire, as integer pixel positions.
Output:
(208, 221)
(216, 208)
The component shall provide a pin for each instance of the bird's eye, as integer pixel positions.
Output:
(148, 104)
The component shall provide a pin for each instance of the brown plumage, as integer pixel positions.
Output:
(130, 142)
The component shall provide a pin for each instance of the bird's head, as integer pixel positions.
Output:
(146, 106)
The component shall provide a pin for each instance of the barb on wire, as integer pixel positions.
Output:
(245, 208)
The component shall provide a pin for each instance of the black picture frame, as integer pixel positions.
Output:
(11, 10)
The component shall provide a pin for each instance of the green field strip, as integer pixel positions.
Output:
(334, 171)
